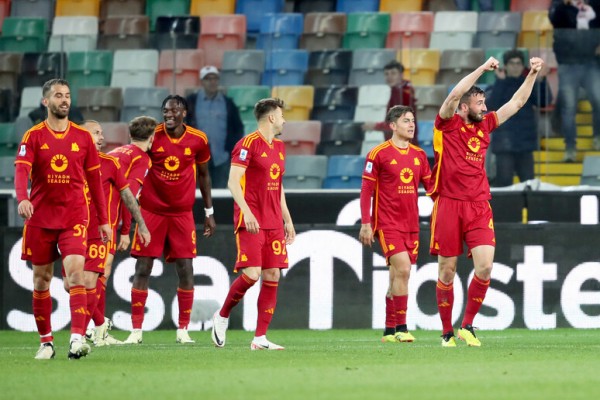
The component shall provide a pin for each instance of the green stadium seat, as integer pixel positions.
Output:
(7, 171)
(24, 35)
(366, 30)
(497, 52)
(245, 97)
(156, 8)
(88, 69)
(8, 140)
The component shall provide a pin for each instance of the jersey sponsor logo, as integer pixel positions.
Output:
(172, 163)
(474, 144)
(59, 163)
(243, 154)
(369, 167)
(187, 151)
(406, 175)
(394, 162)
(275, 171)
(264, 155)
(45, 147)
(74, 147)
(417, 161)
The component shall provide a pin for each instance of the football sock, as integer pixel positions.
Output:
(445, 301)
(79, 312)
(390, 317)
(138, 307)
(475, 296)
(42, 310)
(185, 300)
(236, 293)
(267, 300)
(400, 305)
(92, 303)
(98, 314)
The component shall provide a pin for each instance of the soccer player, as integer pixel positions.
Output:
(59, 157)
(113, 182)
(179, 156)
(461, 191)
(255, 181)
(390, 182)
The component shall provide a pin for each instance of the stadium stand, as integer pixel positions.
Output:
(112, 8)
(212, 7)
(134, 68)
(65, 8)
(340, 137)
(329, 67)
(24, 34)
(280, 31)
(178, 69)
(366, 30)
(310, 6)
(219, 33)
(400, 5)
(298, 101)
(242, 67)
(285, 67)
(79, 33)
(421, 66)
(367, 66)
(176, 32)
(100, 103)
(156, 8)
(125, 32)
(497, 29)
(410, 30)
(10, 68)
(301, 137)
(344, 172)
(334, 103)
(304, 171)
(323, 31)
(352, 6)
(143, 101)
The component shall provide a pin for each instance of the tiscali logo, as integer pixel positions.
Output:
(172, 163)
(59, 163)
(474, 144)
(275, 171)
(406, 175)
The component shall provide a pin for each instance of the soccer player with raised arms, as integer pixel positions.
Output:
(390, 184)
(461, 212)
(262, 222)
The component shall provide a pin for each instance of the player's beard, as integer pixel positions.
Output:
(58, 113)
(474, 116)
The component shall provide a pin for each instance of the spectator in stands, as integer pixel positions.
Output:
(577, 49)
(39, 114)
(465, 5)
(217, 115)
(403, 93)
(513, 142)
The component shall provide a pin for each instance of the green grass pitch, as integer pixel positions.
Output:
(337, 364)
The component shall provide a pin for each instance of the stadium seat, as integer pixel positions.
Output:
(242, 67)
(529, 5)
(157, 8)
(134, 68)
(115, 134)
(89, 68)
(179, 32)
(367, 66)
(344, 172)
(10, 68)
(304, 171)
(72, 8)
(100, 103)
(24, 34)
(31, 97)
(430, 99)
(421, 65)
(4, 11)
(143, 101)
(33, 8)
(314, 6)
(255, 11)
(7, 171)
(536, 30)
(280, 31)
(333, 103)
(591, 171)
(245, 97)
(372, 103)
(74, 34)
(329, 67)
(340, 137)
(7, 105)
(372, 139)
(285, 67)
(366, 30)
(497, 29)
(410, 30)
(352, 6)
(301, 137)
(441, 5)
(425, 128)
(453, 30)
(219, 33)
(323, 31)
(125, 32)
(456, 64)
(298, 101)
(400, 5)
(179, 70)
(113, 8)
(8, 141)
(37, 68)
(212, 7)
(22, 125)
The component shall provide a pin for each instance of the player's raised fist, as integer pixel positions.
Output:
(491, 64)
(536, 64)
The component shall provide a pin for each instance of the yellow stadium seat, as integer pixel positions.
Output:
(298, 101)
(420, 65)
(536, 30)
(212, 7)
(77, 8)
(400, 5)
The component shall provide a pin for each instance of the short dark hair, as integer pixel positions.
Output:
(513, 53)
(48, 85)
(396, 112)
(265, 106)
(141, 128)
(394, 65)
(474, 90)
(180, 100)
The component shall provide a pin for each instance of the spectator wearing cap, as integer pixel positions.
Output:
(217, 115)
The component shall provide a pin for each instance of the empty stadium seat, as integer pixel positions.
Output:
(591, 171)
(455, 64)
(66, 8)
(212, 7)
(4, 11)
(7, 106)
(115, 134)
(255, 11)
(143, 101)
(425, 128)
(366, 30)
(323, 31)
(497, 29)
(8, 141)
(10, 68)
(179, 70)
(344, 172)
(372, 103)
(304, 171)
(421, 65)
(156, 8)
(219, 33)
(350, 6)
(280, 31)
(74, 34)
(33, 8)
(37, 68)
(7, 171)
(333, 103)
(31, 97)
(410, 30)
(179, 32)
(340, 137)
(285, 67)
(329, 67)
(24, 34)
(536, 30)
(242, 67)
(314, 6)
(298, 101)
(301, 137)
(100, 103)
(453, 30)
(134, 68)
(89, 68)
(113, 8)
(125, 32)
(400, 5)
(430, 99)
(529, 5)
(367, 66)
(372, 139)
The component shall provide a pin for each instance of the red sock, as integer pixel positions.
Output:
(475, 296)
(390, 313)
(92, 303)
(79, 312)
(185, 299)
(42, 311)
(267, 300)
(98, 314)
(401, 304)
(236, 293)
(138, 307)
(445, 300)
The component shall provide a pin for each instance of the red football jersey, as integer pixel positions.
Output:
(396, 173)
(58, 164)
(459, 169)
(170, 187)
(262, 182)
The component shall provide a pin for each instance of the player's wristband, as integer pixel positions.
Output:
(209, 211)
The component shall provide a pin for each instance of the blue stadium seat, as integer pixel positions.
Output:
(285, 67)
(280, 31)
(426, 136)
(344, 172)
(351, 6)
(255, 11)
